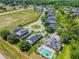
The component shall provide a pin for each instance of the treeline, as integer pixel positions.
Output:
(69, 32)
(42, 2)
(25, 1)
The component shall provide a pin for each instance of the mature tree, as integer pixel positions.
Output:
(50, 29)
(4, 34)
(74, 49)
(43, 18)
(13, 39)
(46, 23)
(24, 46)
(46, 12)
(43, 2)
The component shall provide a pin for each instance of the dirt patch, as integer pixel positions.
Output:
(6, 22)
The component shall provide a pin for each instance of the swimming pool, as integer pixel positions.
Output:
(45, 51)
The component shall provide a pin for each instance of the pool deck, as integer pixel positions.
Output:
(47, 48)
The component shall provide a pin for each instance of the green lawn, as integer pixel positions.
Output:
(65, 54)
(36, 26)
(8, 8)
(11, 20)
(10, 51)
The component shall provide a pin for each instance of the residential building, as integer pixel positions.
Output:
(33, 39)
(20, 32)
(53, 43)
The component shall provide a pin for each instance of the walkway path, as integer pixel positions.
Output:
(38, 22)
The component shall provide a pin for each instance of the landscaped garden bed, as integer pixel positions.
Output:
(36, 26)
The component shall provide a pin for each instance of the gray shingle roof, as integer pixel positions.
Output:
(39, 8)
(16, 30)
(51, 21)
(67, 9)
(34, 39)
(76, 13)
(53, 43)
(51, 18)
(20, 32)
(54, 25)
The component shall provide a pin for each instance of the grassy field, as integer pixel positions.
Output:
(35, 55)
(11, 20)
(8, 8)
(11, 51)
(65, 54)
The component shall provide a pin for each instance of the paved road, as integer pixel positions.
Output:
(2, 57)
(36, 22)
(12, 11)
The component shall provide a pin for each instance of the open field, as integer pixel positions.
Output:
(11, 20)
(8, 8)
(65, 54)
(11, 51)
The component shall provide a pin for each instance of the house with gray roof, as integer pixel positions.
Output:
(39, 8)
(20, 32)
(67, 9)
(75, 10)
(52, 21)
(33, 39)
(53, 43)
(51, 18)
(76, 13)
(53, 25)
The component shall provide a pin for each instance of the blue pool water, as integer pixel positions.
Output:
(46, 52)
